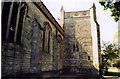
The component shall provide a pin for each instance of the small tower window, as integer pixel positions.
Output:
(73, 47)
(77, 47)
(88, 57)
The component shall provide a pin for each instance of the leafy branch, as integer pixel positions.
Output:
(113, 6)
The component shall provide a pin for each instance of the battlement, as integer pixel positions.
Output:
(75, 14)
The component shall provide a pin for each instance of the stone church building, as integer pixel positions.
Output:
(81, 40)
(33, 42)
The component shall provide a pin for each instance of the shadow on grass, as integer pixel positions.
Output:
(112, 74)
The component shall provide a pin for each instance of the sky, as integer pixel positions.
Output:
(108, 27)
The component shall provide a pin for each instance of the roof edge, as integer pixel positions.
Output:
(46, 12)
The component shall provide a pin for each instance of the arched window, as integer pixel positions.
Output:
(20, 24)
(5, 15)
(46, 36)
(13, 21)
(48, 45)
(43, 40)
(75, 47)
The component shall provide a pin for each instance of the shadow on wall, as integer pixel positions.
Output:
(79, 62)
(77, 59)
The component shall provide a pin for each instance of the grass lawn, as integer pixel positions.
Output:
(113, 71)
(113, 74)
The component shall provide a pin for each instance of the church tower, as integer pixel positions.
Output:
(95, 30)
(80, 43)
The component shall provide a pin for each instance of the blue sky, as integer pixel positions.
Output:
(108, 27)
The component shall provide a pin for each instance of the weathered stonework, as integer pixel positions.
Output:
(40, 49)
(82, 46)
(34, 44)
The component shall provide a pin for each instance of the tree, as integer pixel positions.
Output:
(117, 64)
(116, 37)
(113, 6)
(110, 51)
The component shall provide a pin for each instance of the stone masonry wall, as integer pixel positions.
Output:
(78, 42)
(47, 60)
(29, 56)
(11, 58)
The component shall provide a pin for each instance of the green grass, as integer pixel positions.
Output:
(113, 69)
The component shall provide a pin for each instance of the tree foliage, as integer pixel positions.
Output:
(113, 6)
(110, 51)
(117, 64)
